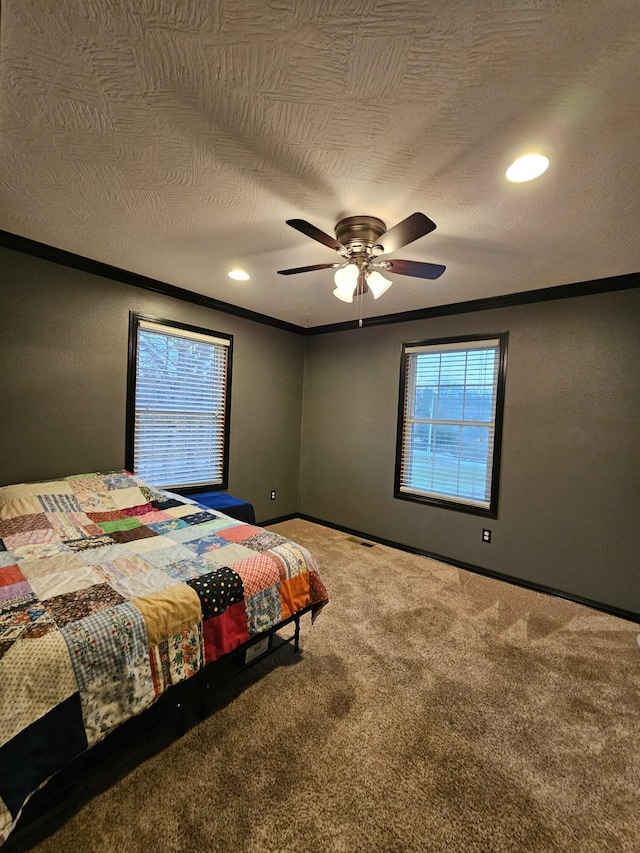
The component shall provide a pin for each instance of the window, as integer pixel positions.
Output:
(450, 422)
(178, 406)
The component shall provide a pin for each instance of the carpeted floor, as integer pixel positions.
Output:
(431, 709)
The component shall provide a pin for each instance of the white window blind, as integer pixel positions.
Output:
(448, 428)
(181, 384)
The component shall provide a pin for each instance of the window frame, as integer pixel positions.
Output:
(439, 499)
(135, 320)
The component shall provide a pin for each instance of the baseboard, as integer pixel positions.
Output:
(536, 587)
(280, 518)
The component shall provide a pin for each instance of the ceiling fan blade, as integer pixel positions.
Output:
(316, 234)
(405, 232)
(418, 269)
(307, 269)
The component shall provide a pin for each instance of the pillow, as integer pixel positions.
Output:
(95, 492)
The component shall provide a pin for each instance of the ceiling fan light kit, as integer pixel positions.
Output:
(360, 240)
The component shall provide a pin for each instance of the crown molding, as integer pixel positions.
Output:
(78, 262)
(527, 297)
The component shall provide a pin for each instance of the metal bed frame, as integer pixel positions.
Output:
(181, 707)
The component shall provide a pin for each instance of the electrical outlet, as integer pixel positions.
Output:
(486, 535)
(273, 494)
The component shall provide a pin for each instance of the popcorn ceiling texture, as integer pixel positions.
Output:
(174, 140)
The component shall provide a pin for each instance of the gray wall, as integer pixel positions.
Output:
(569, 508)
(63, 381)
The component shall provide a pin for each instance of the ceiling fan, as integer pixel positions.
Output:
(360, 241)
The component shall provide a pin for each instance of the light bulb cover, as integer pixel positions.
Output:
(346, 279)
(378, 284)
(346, 276)
(344, 295)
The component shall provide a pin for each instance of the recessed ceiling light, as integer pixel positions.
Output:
(527, 168)
(239, 275)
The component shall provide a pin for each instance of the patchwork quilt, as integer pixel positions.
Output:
(112, 591)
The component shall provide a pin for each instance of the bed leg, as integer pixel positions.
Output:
(204, 703)
(181, 721)
(296, 642)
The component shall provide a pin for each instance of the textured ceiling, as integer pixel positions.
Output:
(173, 139)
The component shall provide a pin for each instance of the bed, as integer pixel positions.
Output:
(113, 594)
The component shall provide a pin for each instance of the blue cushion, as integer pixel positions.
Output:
(235, 507)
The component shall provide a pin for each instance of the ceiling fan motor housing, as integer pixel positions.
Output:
(363, 230)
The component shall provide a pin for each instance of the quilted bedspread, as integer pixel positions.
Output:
(110, 592)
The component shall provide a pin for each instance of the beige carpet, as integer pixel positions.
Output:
(431, 709)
